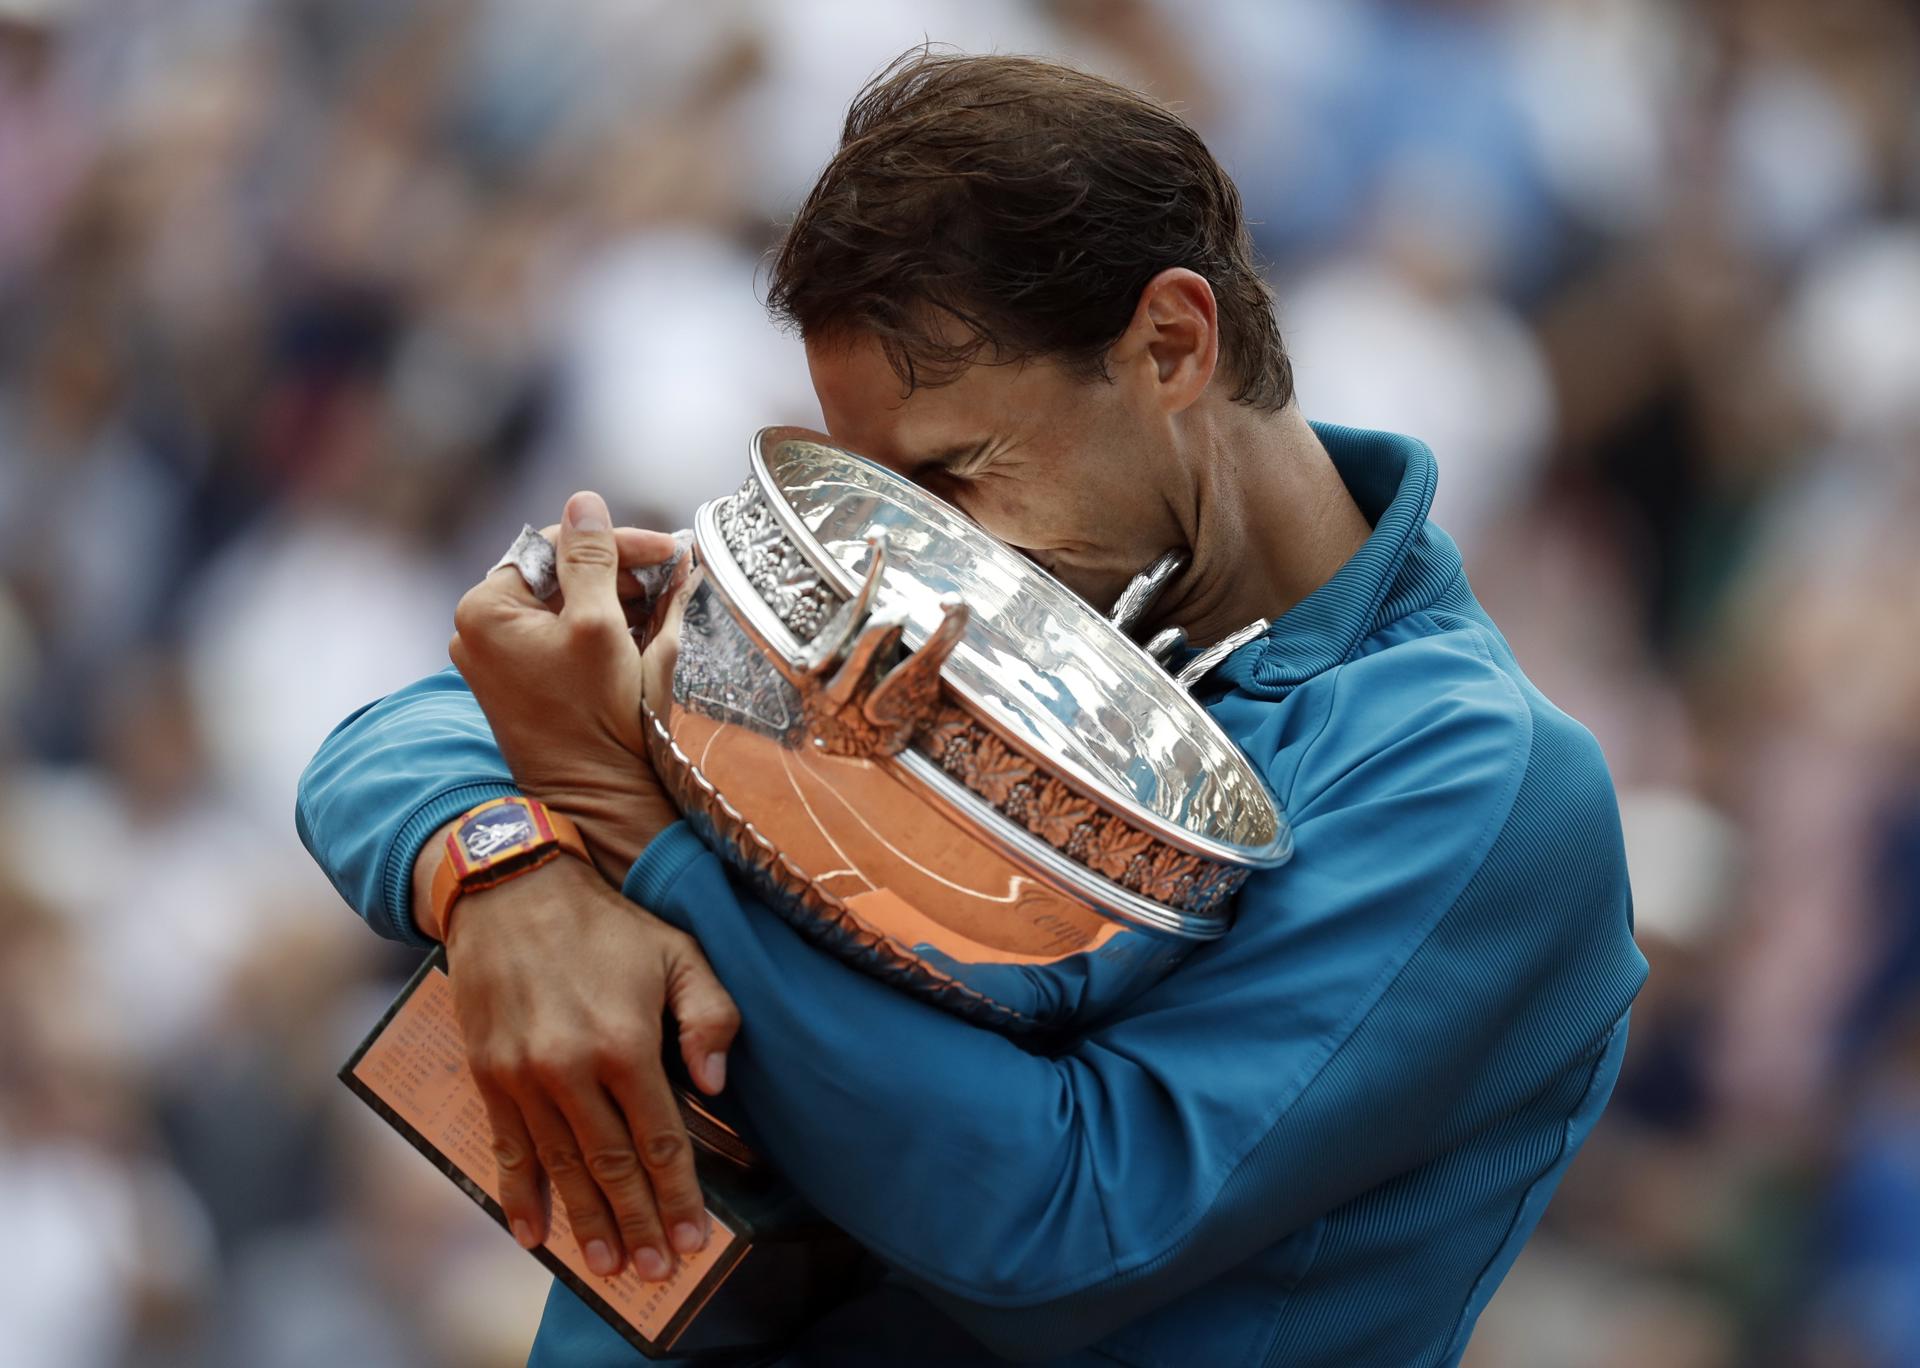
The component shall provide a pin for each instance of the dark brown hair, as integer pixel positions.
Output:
(1032, 203)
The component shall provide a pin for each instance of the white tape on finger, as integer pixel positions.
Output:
(532, 555)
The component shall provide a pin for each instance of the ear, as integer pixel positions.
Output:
(1172, 343)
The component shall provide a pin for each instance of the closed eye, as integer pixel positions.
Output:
(955, 462)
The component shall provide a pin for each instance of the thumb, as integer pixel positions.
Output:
(706, 1016)
(587, 559)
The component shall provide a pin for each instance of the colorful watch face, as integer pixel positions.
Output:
(501, 831)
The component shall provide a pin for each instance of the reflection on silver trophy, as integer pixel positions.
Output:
(932, 757)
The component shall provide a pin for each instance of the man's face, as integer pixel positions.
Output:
(1073, 472)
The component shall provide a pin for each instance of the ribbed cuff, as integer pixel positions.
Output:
(404, 853)
(661, 864)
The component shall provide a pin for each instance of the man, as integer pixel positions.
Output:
(1323, 1138)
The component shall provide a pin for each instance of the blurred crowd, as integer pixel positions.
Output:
(306, 305)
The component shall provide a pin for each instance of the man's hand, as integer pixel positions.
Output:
(560, 983)
(560, 683)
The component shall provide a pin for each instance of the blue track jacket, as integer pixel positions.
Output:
(1320, 1141)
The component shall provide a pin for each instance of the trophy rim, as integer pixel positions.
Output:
(1246, 855)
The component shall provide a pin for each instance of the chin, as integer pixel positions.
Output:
(1097, 589)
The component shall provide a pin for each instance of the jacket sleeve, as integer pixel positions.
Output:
(385, 780)
(1418, 970)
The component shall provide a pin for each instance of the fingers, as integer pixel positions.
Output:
(642, 547)
(623, 1172)
(638, 547)
(635, 548)
(659, 1137)
(501, 595)
(645, 577)
(588, 563)
(707, 1018)
(573, 1145)
(522, 1184)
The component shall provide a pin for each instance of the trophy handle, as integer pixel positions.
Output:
(834, 639)
(856, 701)
(1143, 589)
(1165, 642)
(908, 697)
(1211, 659)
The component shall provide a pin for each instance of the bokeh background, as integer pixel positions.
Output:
(305, 305)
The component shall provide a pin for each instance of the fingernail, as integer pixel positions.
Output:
(715, 1069)
(587, 512)
(600, 1258)
(652, 1264)
(523, 1232)
(688, 1237)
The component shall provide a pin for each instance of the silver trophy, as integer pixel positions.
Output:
(932, 757)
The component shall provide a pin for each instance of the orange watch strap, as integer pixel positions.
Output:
(494, 842)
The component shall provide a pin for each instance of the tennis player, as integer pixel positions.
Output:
(1322, 1139)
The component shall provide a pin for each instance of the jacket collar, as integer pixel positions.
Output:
(1405, 566)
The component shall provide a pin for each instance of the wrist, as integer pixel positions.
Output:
(498, 841)
(519, 905)
(613, 845)
(615, 827)
(426, 866)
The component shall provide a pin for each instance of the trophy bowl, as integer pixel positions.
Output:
(933, 758)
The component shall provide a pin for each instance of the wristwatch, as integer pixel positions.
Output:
(495, 841)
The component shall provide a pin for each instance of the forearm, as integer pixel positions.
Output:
(426, 919)
(380, 794)
(562, 984)
(384, 782)
(607, 859)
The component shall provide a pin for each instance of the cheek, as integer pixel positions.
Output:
(1071, 508)
(1014, 510)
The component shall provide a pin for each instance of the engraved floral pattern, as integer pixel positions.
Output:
(1167, 876)
(1072, 824)
(950, 733)
(1114, 849)
(996, 769)
(1054, 811)
(774, 565)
